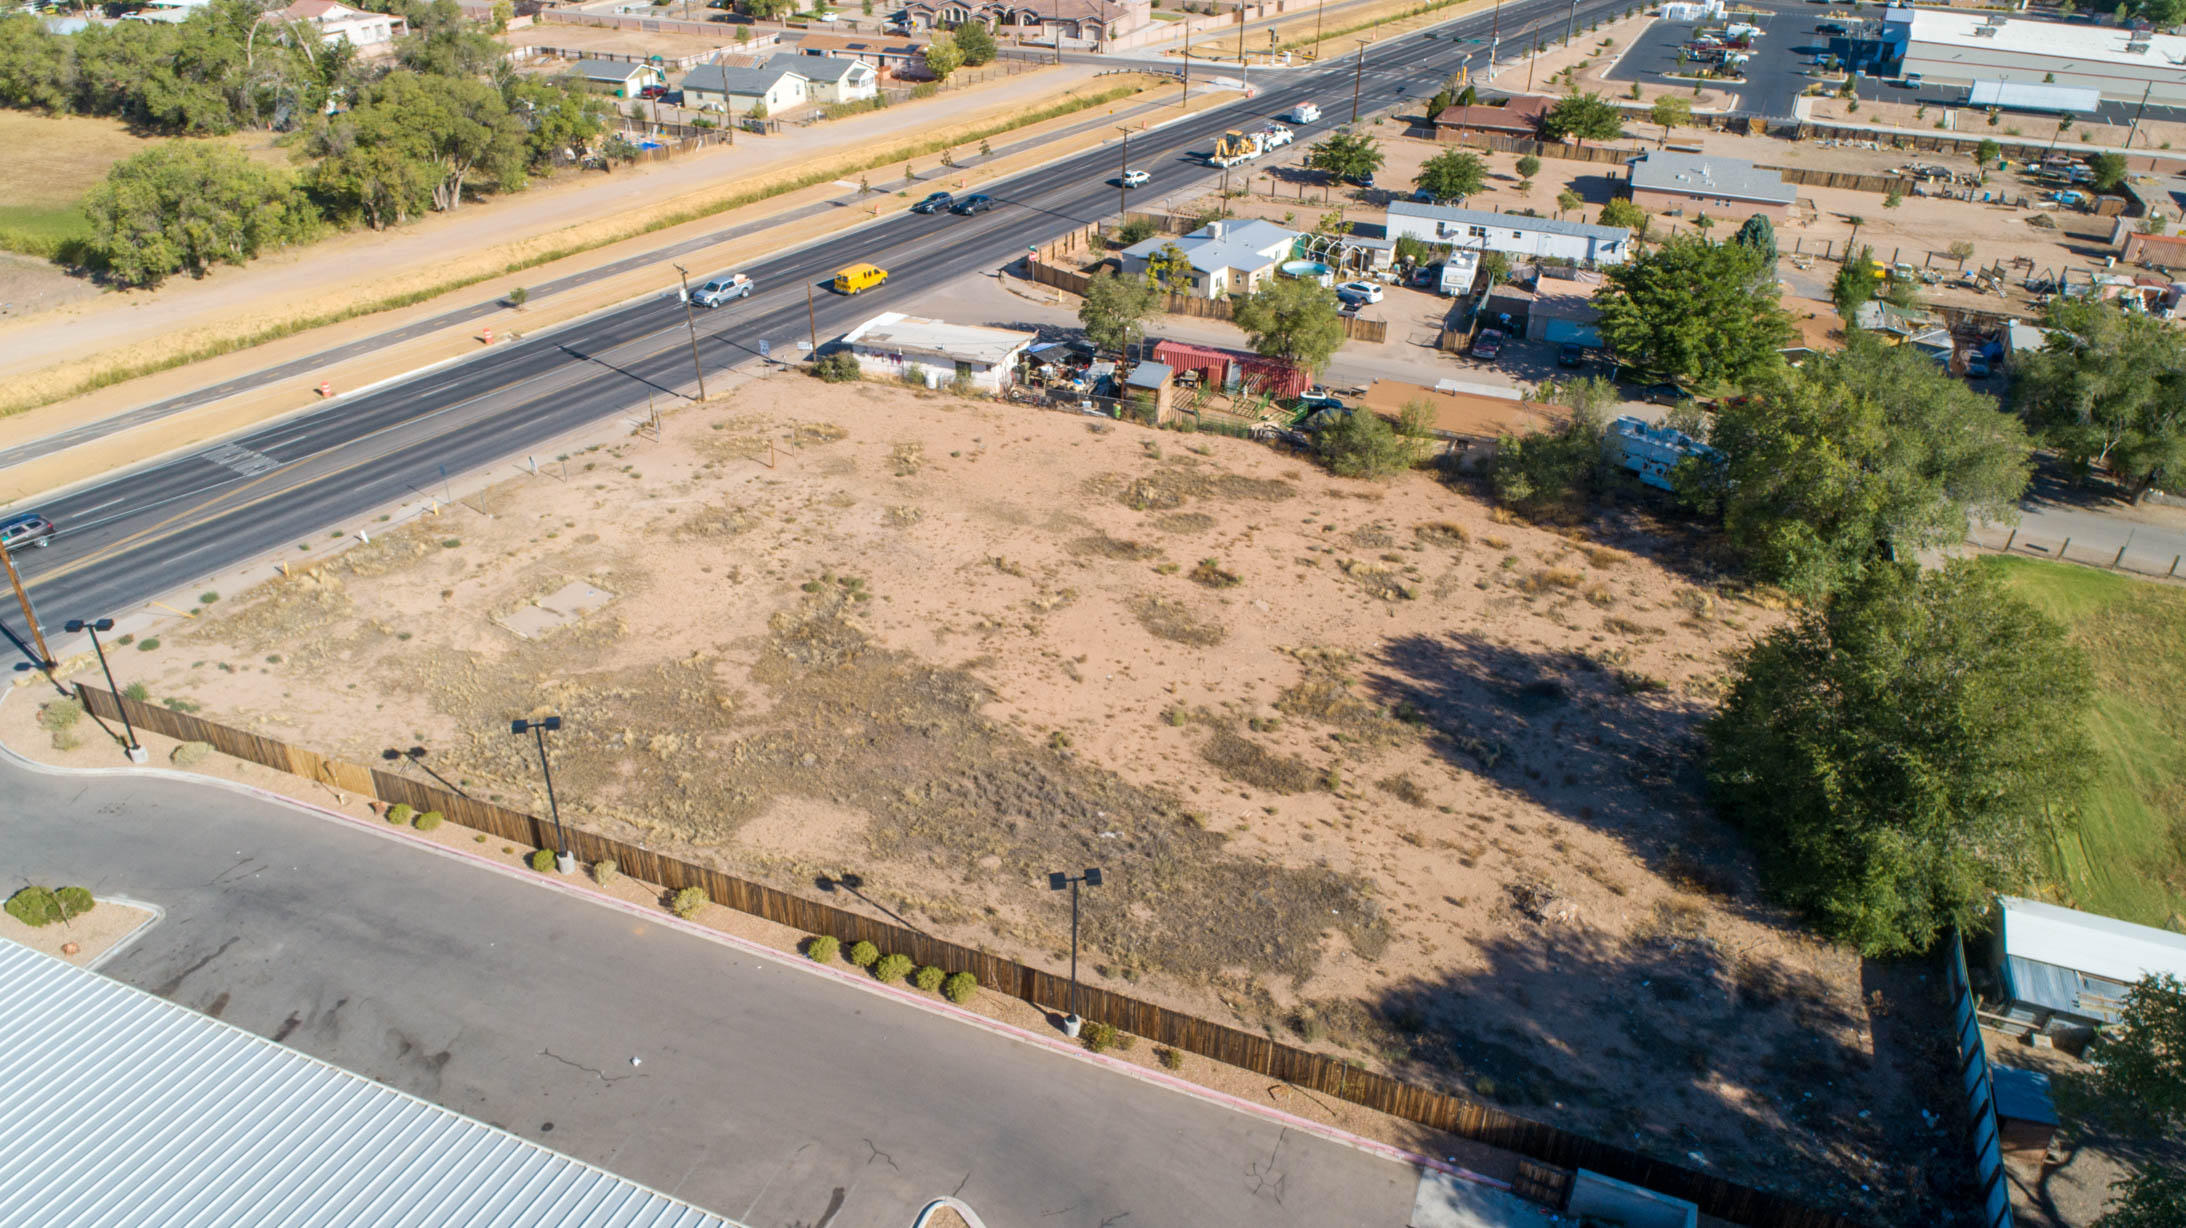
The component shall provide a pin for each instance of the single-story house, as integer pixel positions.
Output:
(831, 78)
(1461, 415)
(2065, 972)
(889, 57)
(1563, 311)
(622, 78)
(739, 91)
(1511, 233)
(1518, 117)
(897, 346)
(1665, 179)
(340, 23)
(2156, 251)
(1095, 20)
(1232, 256)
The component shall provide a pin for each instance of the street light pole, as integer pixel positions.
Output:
(1184, 102)
(1357, 74)
(137, 754)
(1056, 881)
(22, 598)
(1571, 24)
(691, 322)
(564, 860)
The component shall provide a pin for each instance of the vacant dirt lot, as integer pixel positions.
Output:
(1365, 766)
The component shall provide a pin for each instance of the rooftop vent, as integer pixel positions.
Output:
(1985, 31)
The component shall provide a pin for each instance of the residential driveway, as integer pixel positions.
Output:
(766, 1093)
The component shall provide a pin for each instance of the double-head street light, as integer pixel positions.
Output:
(1056, 882)
(137, 754)
(564, 860)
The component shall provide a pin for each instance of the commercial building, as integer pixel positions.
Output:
(1663, 180)
(1511, 233)
(118, 1107)
(1092, 20)
(2064, 971)
(1232, 256)
(1966, 47)
(938, 354)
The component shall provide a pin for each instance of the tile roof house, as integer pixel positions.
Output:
(1665, 179)
(739, 91)
(1232, 256)
(830, 78)
(1520, 117)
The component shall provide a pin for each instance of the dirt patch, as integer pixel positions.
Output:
(1170, 619)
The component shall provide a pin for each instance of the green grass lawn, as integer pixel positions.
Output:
(2128, 858)
(39, 230)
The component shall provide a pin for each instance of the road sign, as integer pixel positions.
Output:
(763, 348)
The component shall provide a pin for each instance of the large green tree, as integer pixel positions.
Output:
(2108, 392)
(1623, 211)
(1759, 234)
(943, 56)
(1853, 458)
(186, 207)
(1856, 283)
(1584, 117)
(1293, 318)
(976, 43)
(2144, 1056)
(439, 131)
(1691, 309)
(2153, 1197)
(443, 42)
(1344, 155)
(1671, 111)
(1452, 175)
(556, 117)
(1902, 754)
(1115, 309)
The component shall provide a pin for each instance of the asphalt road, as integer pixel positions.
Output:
(160, 527)
(765, 1093)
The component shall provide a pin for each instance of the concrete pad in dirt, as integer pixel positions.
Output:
(561, 607)
(1445, 1201)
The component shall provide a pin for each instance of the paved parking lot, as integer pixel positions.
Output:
(1775, 75)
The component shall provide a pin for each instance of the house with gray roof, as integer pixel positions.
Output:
(830, 78)
(1664, 180)
(622, 78)
(739, 91)
(1516, 234)
(1231, 256)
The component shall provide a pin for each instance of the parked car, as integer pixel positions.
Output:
(1359, 292)
(938, 202)
(1911, 80)
(977, 202)
(722, 289)
(26, 529)
(1135, 179)
(1361, 181)
(1571, 357)
(653, 91)
(1488, 344)
(1315, 399)
(1665, 393)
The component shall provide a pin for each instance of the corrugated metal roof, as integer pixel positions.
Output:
(2087, 942)
(120, 1108)
(2024, 96)
(1665, 170)
(1515, 221)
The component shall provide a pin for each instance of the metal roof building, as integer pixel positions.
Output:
(1513, 233)
(2078, 964)
(120, 1108)
(1966, 47)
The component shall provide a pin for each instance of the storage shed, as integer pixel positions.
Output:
(2064, 971)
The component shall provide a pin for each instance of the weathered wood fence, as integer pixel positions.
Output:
(1318, 1072)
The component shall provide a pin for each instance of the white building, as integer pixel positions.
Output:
(830, 78)
(893, 345)
(340, 23)
(1232, 256)
(1511, 233)
(1963, 47)
(119, 1107)
(739, 91)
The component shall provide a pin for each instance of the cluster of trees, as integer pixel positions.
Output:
(2142, 1079)
(2108, 391)
(380, 145)
(1583, 117)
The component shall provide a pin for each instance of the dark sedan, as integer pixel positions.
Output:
(939, 202)
(978, 202)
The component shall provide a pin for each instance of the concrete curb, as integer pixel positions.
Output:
(158, 915)
(970, 1217)
(861, 981)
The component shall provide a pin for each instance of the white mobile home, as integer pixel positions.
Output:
(1511, 233)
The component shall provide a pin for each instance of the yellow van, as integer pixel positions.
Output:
(859, 277)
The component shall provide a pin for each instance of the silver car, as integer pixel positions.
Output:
(26, 529)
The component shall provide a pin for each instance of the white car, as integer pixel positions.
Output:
(1134, 179)
(1359, 292)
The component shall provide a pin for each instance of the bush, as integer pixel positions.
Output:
(400, 813)
(137, 691)
(1171, 1059)
(863, 953)
(61, 714)
(605, 871)
(839, 367)
(1101, 1037)
(892, 967)
(822, 948)
(1362, 444)
(147, 644)
(687, 902)
(959, 987)
(928, 978)
(429, 820)
(40, 906)
(75, 901)
(189, 754)
(1136, 230)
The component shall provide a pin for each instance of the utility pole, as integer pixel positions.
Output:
(2135, 130)
(1123, 175)
(691, 322)
(812, 322)
(1533, 59)
(1357, 74)
(1185, 101)
(1240, 36)
(22, 598)
(1571, 25)
(1495, 37)
(1318, 10)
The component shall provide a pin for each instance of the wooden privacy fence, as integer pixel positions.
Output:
(1075, 282)
(1258, 1053)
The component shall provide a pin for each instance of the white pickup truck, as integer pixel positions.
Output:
(722, 289)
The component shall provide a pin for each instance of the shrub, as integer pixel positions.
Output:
(75, 901)
(400, 812)
(1363, 445)
(137, 691)
(822, 948)
(40, 906)
(1101, 1037)
(428, 820)
(605, 871)
(959, 987)
(928, 978)
(892, 967)
(61, 714)
(863, 953)
(687, 902)
(190, 754)
(148, 643)
(542, 860)
(839, 367)
(1171, 1059)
